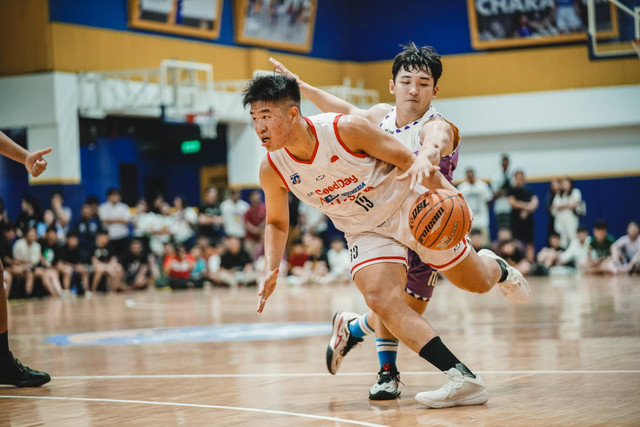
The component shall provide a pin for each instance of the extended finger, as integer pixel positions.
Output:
(38, 154)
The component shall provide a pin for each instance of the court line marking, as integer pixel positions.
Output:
(196, 405)
(345, 374)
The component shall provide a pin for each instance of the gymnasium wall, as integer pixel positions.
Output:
(351, 38)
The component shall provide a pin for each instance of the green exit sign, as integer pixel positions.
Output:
(190, 147)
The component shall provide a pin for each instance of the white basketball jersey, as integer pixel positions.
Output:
(409, 136)
(356, 191)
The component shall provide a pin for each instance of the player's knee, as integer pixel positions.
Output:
(379, 301)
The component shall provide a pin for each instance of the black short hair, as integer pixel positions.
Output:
(51, 228)
(272, 88)
(600, 225)
(72, 233)
(584, 229)
(112, 190)
(424, 59)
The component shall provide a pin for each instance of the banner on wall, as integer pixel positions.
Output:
(195, 18)
(509, 23)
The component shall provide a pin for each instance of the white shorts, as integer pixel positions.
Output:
(389, 241)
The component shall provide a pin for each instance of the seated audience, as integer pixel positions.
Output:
(50, 249)
(513, 252)
(339, 261)
(72, 263)
(236, 265)
(105, 265)
(62, 213)
(577, 252)
(136, 265)
(178, 267)
(184, 222)
(626, 250)
(599, 258)
(87, 229)
(254, 222)
(210, 217)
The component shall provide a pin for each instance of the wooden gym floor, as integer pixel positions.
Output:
(569, 357)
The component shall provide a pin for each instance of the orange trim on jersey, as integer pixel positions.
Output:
(378, 259)
(335, 130)
(315, 149)
(275, 168)
(464, 251)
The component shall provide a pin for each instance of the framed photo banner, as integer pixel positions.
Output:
(195, 18)
(280, 24)
(509, 23)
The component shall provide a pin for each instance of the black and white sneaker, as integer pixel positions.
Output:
(341, 341)
(387, 387)
(15, 373)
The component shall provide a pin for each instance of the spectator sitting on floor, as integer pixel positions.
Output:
(72, 262)
(551, 254)
(599, 259)
(254, 220)
(13, 269)
(296, 262)
(339, 261)
(236, 264)
(513, 252)
(577, 252)
(318, 263)
(626, 250)
(50, 249)
(178, 268)
(105, 264)
(136, 265)
(199, 272)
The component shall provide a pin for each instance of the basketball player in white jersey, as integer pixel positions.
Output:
(11, 370)
(415, 122)
(350, 170)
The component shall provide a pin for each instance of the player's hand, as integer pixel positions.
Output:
(420, 169)
(36, 163)
(267, 285)
(281, 69)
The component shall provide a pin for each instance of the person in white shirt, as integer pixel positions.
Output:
(478, 194)
(339, 261)
(577, 252)
(501, 182)
(626, 250)
(184, 222)
(116, 216)
(233, 210)
(563, 208)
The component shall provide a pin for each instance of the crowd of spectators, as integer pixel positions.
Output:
(570, 247)
(111, 247)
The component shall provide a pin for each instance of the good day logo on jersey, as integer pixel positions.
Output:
(295, 179)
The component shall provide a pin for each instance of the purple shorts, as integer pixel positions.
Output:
(421, 278)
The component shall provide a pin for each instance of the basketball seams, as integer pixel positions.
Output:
(435, 200)
(424, 215)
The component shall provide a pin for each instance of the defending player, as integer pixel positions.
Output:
(11, 370)
(346, 167)
(417, 125)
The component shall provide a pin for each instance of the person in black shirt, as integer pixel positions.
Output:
(87, 229)
(71, 262)
(29, 216)
(210, 217)
(47, 269)
(523, 204)
(136, 266)
(105, 264)
(236, 261)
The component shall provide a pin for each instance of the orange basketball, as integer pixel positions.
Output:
(439, 219)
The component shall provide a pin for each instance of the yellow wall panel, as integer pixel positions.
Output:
(530, 70)
(25, 43)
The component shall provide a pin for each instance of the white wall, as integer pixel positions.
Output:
(47, 105)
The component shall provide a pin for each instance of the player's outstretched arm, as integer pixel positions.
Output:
(35, 162)
(327, 102)
(276, 229)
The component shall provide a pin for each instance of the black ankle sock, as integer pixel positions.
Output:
(436, 353)
(5, 354)
(503, 267)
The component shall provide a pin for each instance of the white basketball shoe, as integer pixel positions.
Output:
(515, 288)
(341, 340)
(458, 391)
